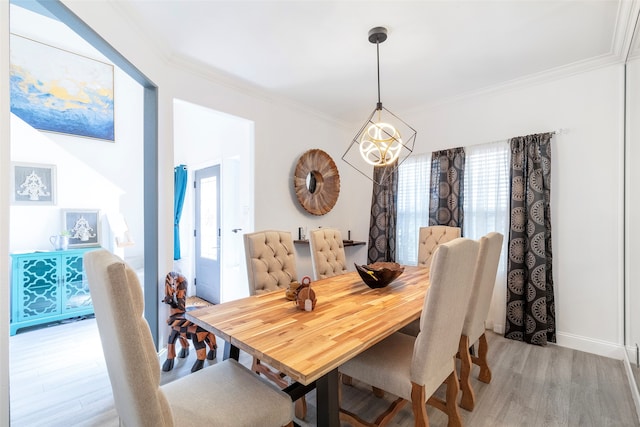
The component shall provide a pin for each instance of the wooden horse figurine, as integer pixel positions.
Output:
(175, 289)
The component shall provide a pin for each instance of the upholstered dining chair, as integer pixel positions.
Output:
(327, 253)
(271, 266)
(413, 368)
(428, 241)
(430, 238)
(473, 329)
(222, 394)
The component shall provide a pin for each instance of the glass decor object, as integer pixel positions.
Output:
(384, 141)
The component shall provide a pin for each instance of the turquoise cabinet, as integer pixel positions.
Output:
(48, 286)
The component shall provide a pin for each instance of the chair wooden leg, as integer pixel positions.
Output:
(300, 405)
(449, 406)
(346, 379)
(418, 403)
(481, 360)
(254, 365)
(451, 401)
(468, 397)
(378, 392)
(300, 408)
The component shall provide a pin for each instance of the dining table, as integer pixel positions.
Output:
(309, 346)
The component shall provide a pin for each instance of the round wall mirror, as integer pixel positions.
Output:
(317, 182)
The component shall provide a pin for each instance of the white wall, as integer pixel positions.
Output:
(633, 209)
(91, 174)
(78, 187)
(586, 196)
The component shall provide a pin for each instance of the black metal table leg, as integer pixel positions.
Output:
(327, 400)
(230, 351)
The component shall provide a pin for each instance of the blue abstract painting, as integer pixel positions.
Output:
(58, 91)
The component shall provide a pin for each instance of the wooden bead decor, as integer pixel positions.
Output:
(317, 182)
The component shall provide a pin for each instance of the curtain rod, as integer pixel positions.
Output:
(559, 131)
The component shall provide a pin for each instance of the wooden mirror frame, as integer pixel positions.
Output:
(327, 182)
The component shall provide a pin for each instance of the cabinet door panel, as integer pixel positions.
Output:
(40, 288)
(76, 289)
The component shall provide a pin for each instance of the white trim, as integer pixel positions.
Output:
(4, 213)
(590, 345)
(632, 384)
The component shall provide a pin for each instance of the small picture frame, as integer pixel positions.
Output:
(83, 227)
(33, 184)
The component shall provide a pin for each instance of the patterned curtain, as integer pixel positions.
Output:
(382, 227)
(530, 300)
(447, 188)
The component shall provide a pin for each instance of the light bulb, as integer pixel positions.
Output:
(380, 144)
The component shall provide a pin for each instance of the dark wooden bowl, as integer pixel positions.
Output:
(379, 274)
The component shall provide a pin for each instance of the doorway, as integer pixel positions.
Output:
(203, 138)
(207, 233)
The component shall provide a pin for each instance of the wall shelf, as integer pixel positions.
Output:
(345, 243)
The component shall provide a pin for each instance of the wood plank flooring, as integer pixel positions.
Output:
(59, 378)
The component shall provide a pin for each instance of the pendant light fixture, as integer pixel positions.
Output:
(385, 140)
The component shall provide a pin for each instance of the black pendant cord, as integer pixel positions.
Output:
(379, 106)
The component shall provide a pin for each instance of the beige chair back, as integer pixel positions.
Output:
(131, 358)
(443, 313)
(327, 253)
(430, 238)
(271, 261)
(483, 283)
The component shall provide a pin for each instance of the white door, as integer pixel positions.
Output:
(207, 233)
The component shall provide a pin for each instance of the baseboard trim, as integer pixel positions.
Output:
(632, 384)
(577, 342)
(590, 345)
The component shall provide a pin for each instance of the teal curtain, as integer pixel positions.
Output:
(180, 188)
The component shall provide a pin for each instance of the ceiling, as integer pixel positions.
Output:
(316, 54)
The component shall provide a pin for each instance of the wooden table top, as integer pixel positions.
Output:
(349, 317)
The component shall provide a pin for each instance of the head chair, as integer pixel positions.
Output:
(327, 253)
(430, 238)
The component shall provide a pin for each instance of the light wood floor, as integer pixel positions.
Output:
(59, 378)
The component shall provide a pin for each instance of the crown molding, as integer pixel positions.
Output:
(624, 27)
(232, 82)
(535, 79)
(214, 75)
(632, 50)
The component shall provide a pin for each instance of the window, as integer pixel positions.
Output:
(486, 189)
(486, 198)
(412, 206)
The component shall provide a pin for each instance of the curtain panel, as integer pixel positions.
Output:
(530, 296)
(447, 188)
(382, 226)
(179, 188)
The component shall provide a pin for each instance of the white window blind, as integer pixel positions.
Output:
(486, 189)
(412, 206)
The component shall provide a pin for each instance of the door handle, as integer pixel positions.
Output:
(235, 230)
